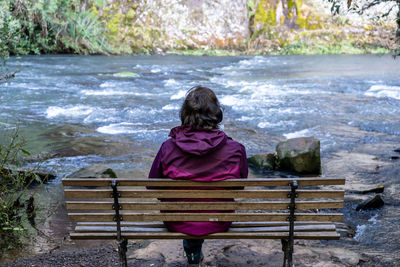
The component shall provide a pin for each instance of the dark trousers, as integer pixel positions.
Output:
(192, 245)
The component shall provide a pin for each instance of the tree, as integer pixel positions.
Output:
(360, 7)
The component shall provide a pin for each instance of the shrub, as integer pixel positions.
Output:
(13, 190)
(43, 26)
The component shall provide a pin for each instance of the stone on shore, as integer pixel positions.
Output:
(377, 189)
(262, 161)
(94, 171)
(373, 203)
(300, 155)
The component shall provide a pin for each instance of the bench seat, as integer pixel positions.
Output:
(307, 230)
(265, 208)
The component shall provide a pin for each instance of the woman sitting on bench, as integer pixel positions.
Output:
(199, 151)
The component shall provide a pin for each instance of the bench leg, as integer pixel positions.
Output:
(285, 251)
(122, 242)
(122, 248)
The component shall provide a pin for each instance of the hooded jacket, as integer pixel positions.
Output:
(200, 155)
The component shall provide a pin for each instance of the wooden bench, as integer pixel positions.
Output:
(266, 208)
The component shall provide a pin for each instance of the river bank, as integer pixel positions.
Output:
(245, 27)
(360, 167)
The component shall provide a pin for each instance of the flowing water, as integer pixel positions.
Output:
(117, 110)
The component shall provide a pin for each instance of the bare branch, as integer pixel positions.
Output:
(8, 75)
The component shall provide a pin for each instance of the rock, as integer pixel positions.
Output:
(373, 203)
(346, 256)
(30, 210)
(262, 161)
(95, 171)
(301, 155)
(44, 176)
(126, 74)
(378, 189)
(66, 131)
(42, 156)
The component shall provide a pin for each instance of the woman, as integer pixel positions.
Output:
(199, 151)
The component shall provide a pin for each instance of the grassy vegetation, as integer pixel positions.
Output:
(305, 48)
(205, 52)
(43, 26)
(16, 203)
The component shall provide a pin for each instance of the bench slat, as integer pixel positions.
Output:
(225, 183)
(227, 217)
(134, 193)
(131, 205)
(330, 235)
(234, 224)
(125, 229)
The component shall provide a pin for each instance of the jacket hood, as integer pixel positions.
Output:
(197, 141)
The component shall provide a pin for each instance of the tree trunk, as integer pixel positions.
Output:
(398, 20)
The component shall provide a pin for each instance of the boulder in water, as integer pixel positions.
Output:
(374, 203)
(94, 171)
(126, 74)
(300, 155)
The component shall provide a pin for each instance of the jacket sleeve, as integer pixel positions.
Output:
(156, 169)
(244, 170)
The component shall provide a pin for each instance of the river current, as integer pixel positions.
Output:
(346, 101)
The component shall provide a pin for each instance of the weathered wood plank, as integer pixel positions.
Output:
(149, 217)
(134, 193)
(133, 205)
(225, 183)
(125, 229)
(331, 235)
(234, 224)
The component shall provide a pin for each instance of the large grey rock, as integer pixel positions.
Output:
(262, 161)
(95, 171)
(374, 203)
(301, 155)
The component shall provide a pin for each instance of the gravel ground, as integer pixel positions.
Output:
(101, 256)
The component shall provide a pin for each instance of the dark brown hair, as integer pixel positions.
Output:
(201, 108)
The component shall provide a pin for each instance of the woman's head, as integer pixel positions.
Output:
(201, 108)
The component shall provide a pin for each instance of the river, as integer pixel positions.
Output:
(117, 110)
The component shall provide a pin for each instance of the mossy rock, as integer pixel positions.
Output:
(299, 155)
(262, 161)
(94, 171)
(126, 74)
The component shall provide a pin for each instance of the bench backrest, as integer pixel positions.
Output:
(256, 200)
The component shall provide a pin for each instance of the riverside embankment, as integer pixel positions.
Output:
(220, 27)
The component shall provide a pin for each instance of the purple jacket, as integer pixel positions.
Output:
(199, 155)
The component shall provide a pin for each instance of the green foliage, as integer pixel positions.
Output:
(130, 27)
(200, 52)
(304, 47)
(44, 26)
(13, 189)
